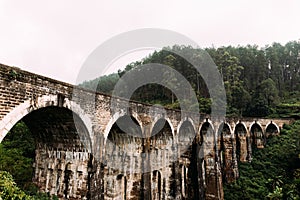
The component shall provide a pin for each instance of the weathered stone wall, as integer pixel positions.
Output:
(74, 159)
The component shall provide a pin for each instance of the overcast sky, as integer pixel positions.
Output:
(53, 38)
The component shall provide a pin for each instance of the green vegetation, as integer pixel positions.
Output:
(17, 153)
(274, 172)
(10, 191)
(257, 80)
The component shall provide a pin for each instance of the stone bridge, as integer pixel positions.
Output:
(83, 151)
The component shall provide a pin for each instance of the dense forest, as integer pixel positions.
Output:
(274, 172)
(258, 81)
(262, 82)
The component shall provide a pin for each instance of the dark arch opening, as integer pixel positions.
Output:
(59, 128)
(186, 137)
(57, 133)
(226, 152)
(125, 130)
(207, 135)
(189, 149)
(161, 135)
(271, 130)
(256, 136)
(240, 135)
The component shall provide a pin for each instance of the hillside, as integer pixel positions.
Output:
(258, 81)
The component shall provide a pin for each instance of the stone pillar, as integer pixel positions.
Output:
(146, 167)
(229, 160)
(213, 178)
(243, 148)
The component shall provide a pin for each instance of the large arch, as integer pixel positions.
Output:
(62, 140)
(162, 155)
(123, 148)
(188, 149)
(240, 133)
(28, 106)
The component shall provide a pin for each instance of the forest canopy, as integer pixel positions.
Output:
(259, 82)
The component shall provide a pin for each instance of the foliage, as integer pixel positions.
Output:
(256, 79)
(10, 191)
(274, 172)
(103, 84)
(17, 154)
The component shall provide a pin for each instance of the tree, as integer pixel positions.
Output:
(9, 189)
(17, 154)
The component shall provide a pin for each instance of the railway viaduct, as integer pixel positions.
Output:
(90, 148)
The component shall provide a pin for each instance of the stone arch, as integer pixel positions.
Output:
(163, 154)
(257, 123)
(28, 106)
(240, 124)
(224, 130)
(207, 127)
(240, 133)
(114, 119)
(61, 137)
(59, 125)
(256, 137)
(271, 129)
(123, 132)
(187, 119)
(221, 126)
(186, 135)
(169, 123)
(189, 149)
(162, 127)
(123, 148)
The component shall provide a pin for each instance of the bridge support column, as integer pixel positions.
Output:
(213, 179)
(146, 167)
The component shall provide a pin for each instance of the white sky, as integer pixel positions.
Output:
(53, 38)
